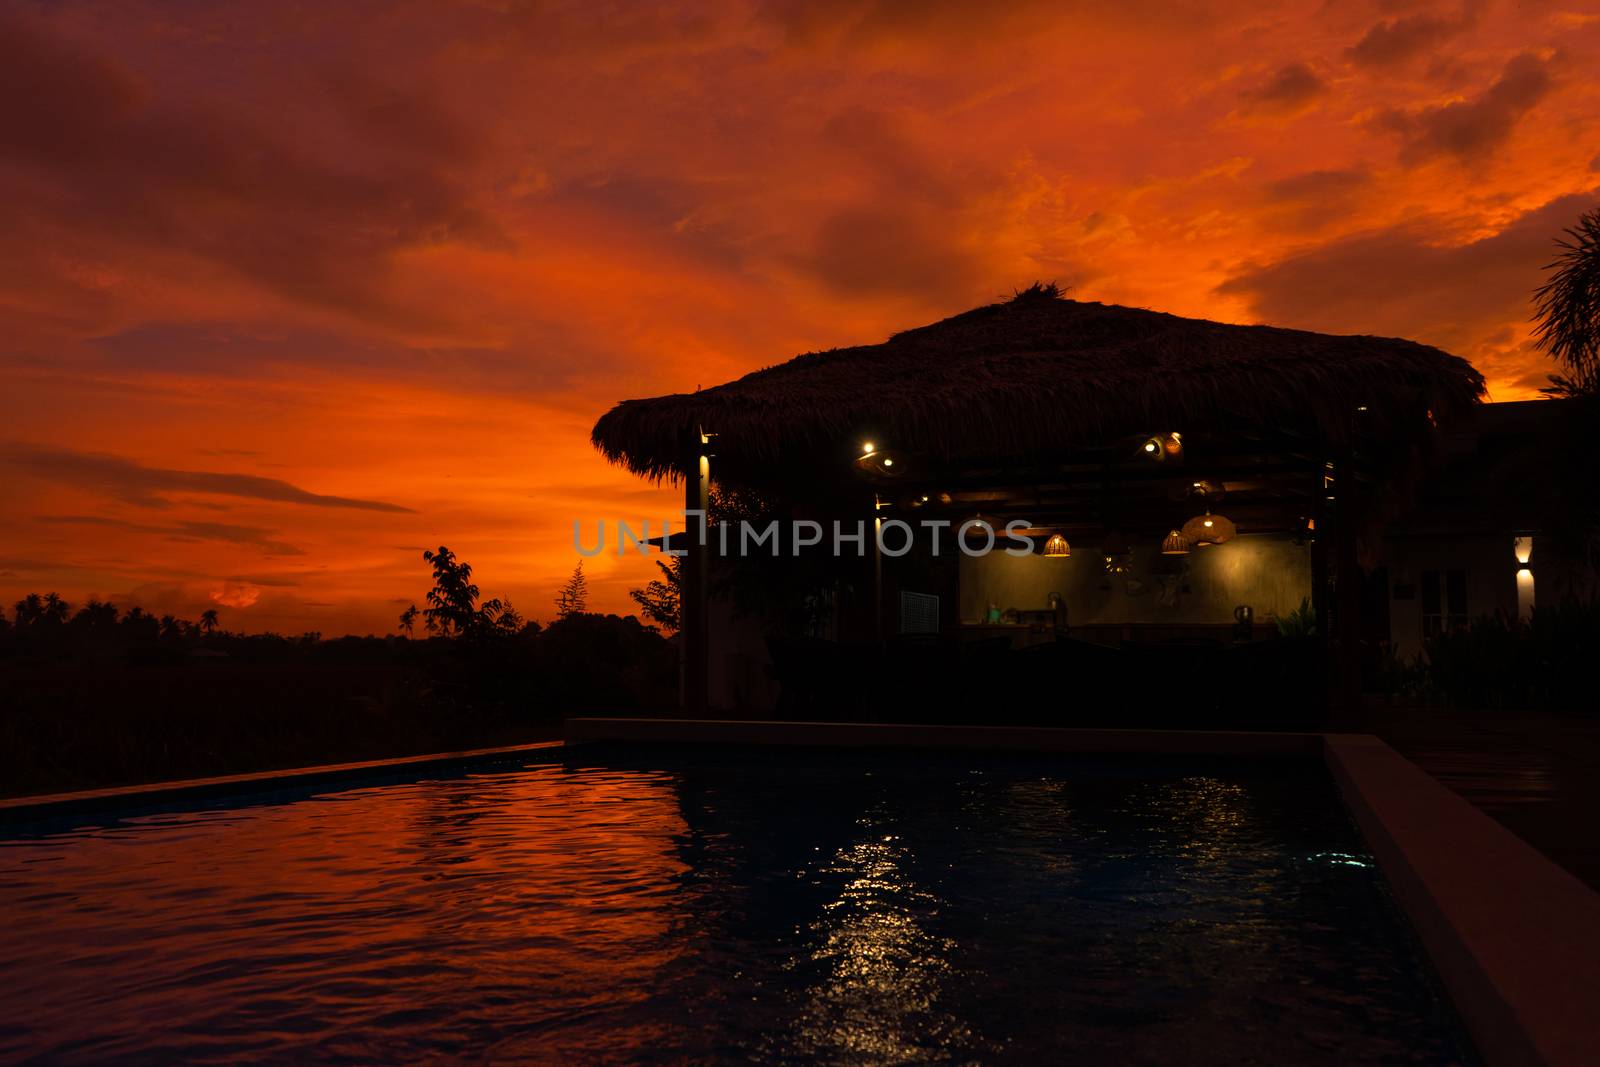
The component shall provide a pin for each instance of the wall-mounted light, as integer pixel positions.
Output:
(1524, 593)
(1162, 446)
(877, 461)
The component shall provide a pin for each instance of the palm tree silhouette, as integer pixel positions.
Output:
(1567, 310)
(208, 621)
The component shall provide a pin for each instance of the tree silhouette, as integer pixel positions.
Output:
(408, 620)
(502, 616)
(453, 607)
(659, 602)
(574, 596)
(38, 611)
(453, 600)
(1567, 310)
(208, 621)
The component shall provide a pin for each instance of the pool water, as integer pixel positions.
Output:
(731, 905)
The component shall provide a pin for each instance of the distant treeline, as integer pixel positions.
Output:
(94, 695)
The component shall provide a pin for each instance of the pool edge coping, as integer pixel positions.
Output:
(88, 801)
(1514, 937)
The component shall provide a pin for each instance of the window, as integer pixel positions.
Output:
(1444, 602)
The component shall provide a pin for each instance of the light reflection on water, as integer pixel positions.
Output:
(753, 907)
(876, 973)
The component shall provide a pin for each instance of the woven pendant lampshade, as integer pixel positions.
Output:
(1057, 546)
(1175, 544)
(1209, 529)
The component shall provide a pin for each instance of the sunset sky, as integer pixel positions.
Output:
(289, 291)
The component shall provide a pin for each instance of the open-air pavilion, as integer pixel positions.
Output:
(1185, 485)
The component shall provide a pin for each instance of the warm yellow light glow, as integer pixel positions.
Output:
(887, 462)
(1057, 546)
(1208, 529)
(868, 449)
(1175, 544)
(1159, 446)
(1523, 547)
(1524, 593)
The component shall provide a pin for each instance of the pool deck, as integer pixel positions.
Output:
(1514, 937)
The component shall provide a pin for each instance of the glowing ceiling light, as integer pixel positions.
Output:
(1208, 529)
(1057, 546)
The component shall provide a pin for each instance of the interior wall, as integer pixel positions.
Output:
(1269, 573)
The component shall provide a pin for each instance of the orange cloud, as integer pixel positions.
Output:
(287, 295)
(236, 595)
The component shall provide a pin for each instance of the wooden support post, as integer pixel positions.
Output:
(694, 635)
(1322, 533)
(1348, 590)
(877, 575)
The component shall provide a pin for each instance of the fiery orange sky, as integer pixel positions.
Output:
(289, 291)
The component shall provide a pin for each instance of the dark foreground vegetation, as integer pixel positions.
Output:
(1546, 662)
(94, 696)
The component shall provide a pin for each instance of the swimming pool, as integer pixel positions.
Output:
(729, 904)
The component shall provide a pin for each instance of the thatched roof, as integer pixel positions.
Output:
(1039, 374)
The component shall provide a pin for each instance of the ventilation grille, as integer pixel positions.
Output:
(919, 613)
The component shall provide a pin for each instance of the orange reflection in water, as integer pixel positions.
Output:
(389, 923)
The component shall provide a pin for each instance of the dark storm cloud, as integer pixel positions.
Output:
(126, 480)
(902, 250)
(1316, 198)
(908, 236)
(1400, 281)
(1394, 41)
(1315, 185)
(1291, 88)
(177, 177)
(827, 22)
(253, 536)
(1469, 129)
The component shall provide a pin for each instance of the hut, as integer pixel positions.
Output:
(1181, 486)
